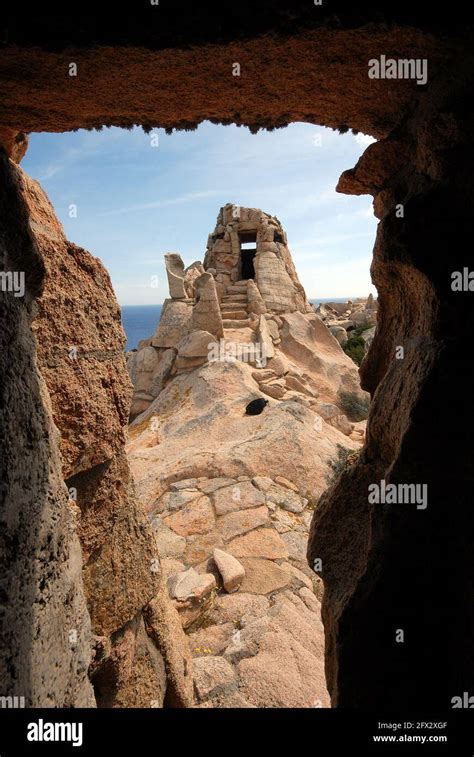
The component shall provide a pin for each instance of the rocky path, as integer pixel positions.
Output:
(234, 553)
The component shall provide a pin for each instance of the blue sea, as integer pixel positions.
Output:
(140, 321)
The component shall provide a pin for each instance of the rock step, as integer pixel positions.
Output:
(236, 323)
(234, 298)
(234, 305)
(233, 289)
(235, 315)
(241, 283)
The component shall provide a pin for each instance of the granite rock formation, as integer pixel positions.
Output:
(80, 344)
(219, 312)
(312, 64)
(232, 498)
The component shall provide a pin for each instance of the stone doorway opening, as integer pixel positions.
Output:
(247, 257)
(248, 250)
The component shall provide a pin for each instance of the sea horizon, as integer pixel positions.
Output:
(140, 321)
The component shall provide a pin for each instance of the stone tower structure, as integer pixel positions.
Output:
(247, 280)
(248, 244)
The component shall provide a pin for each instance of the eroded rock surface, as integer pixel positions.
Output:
(230, 496)
(90, 397)
(45, 632)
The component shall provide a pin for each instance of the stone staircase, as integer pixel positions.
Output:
(234, 306)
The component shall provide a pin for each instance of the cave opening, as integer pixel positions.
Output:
(420, 166)
(144, 364)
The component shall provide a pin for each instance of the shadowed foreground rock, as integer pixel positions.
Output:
(80, 344)
(393, 566)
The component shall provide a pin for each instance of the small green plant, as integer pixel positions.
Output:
(338, 464)
(312, 502)
(355, 345)
(355, 406)
(355, 349)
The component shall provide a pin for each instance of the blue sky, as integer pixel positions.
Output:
(137, 200)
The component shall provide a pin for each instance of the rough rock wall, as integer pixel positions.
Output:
(393, 566)
(45, 634)
(80, 347)
(318, 76)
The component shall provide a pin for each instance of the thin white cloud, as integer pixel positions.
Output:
(182, 199)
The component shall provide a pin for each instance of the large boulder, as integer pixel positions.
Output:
(175, 323)
(149, 370)
(308, 342)
(196, 344)
(340, 334)
(192, 273)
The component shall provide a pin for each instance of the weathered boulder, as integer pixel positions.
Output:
(206, 313)
(191, 273)
(175, 272)
(175, 323)
(196, 344)
(231, 570)
(340, 334)
(308, 343)
(149, 369)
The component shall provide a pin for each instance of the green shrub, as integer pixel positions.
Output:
(355, 349)
(339, 464)
(355, 345)
(355, 406)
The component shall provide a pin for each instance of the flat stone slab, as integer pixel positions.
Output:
(297, 544)
(197, 518)
(212, 484)
(263, 576)
(175, 500)
(262, 542)
(240, 522)
(286, 498)
(169, 544)
(213, 675)
(190, 584)
(185, 483)
(240, 496)
(235, 315)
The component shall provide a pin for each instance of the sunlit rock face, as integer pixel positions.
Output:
(46, 639)
(246, 279)
(230, 494)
